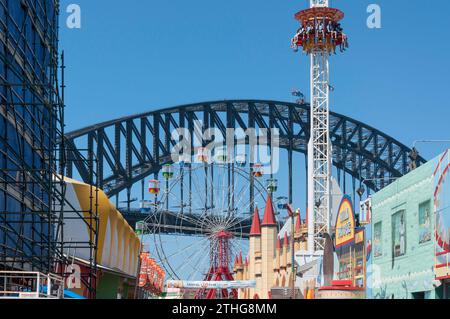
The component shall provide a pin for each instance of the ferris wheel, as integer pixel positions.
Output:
(201, 216)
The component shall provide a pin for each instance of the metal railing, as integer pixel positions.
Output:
(30, 285)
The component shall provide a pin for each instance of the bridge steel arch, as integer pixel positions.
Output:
(131, 148)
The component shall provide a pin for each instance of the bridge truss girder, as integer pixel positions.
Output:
(132, 148)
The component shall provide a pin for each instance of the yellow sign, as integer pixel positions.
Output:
(345, 223)
(359, 237)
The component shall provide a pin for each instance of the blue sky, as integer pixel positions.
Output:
(138, 55)
(135, 56)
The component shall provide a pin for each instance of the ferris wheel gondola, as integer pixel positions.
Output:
(241, 160)
(153, 187)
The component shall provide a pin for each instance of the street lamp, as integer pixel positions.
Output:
(293, 214)
(361, 191)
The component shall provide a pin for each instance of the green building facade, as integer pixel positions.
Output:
(115, 286)
(402, 238)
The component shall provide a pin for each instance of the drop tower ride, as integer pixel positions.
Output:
(319, 36)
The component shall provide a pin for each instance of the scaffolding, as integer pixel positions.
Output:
(30, 285)
(71, 212)
(33, 210)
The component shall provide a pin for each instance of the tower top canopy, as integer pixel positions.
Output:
(320, 30)
(311, 14)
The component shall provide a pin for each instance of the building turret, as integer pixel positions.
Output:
(285, 252)
(246, 268)
(254, 266)
(288, 249)
(239, 268)
(278, 254)
(243, 293)
(255, 230)
(298, 232)
(269, 232)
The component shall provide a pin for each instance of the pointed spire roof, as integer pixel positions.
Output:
(298, 223)
(286, 240)
(269, 214)
(278, 242)
(240, 259)
(246, 261)
(256, 224)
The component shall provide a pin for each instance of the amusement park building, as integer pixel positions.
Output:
(410, 235)
(270, 258)
(118, 246)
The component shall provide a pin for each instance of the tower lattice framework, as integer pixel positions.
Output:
(319, 36)
(219, 268)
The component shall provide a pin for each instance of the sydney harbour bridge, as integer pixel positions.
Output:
(129, 150)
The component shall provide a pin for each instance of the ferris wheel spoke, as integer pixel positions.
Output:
(187, 218)
(222, 205)
(164, 258)
(160, 251)
(235, 221)
(241, 195)
(235, 249)
(213, 209)
(187, 255)
(183, 250)
(197, 267)
(221, 193)
(198, 194)
(227, 191)
(225, 197)
(218, 201)
(218, 211)
(193, 256)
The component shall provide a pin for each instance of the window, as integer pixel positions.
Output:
(425, 222)
(418, 295)
(377, 247)
(399, 234)
(447, 290)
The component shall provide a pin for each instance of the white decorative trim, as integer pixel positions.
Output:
(396, 279)
(402, 192)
